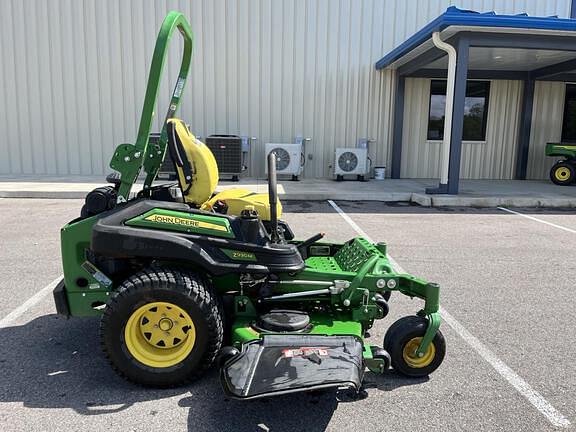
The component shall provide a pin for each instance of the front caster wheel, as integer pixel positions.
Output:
(162, 328)
(402, 340)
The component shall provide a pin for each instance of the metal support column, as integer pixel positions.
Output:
(524, 131)
(452, 186)
(398, 127)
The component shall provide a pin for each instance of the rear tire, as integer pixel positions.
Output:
(563, 173)
(162, 328)
(401, 341)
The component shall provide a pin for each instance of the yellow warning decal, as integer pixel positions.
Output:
(175, 220)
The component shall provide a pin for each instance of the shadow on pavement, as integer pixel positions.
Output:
(311, 411)
(302, 411)
(390, 381)
(53, 363)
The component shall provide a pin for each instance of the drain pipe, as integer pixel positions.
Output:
(446, 142)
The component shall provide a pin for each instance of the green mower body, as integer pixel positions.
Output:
(177, 287)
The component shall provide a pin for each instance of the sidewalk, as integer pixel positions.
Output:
(473, 193)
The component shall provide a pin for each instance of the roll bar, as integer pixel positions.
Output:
(128, 159)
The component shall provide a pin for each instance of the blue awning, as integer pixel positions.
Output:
(466, 18)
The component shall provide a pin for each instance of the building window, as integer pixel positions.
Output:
(569, 121)
(475, 110)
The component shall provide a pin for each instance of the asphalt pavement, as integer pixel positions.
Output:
(506, 279)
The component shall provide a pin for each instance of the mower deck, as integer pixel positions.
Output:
(280, 364)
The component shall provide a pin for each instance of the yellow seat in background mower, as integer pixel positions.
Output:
(198, 176)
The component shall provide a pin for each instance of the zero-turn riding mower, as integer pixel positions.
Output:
(562, 172)
(184, 280)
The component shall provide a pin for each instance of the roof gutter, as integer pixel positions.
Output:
(456, 17)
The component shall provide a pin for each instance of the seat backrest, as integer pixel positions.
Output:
(194, 163)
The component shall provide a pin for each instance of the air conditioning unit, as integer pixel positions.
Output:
(228, 152)
(289, 158)
(352, 161)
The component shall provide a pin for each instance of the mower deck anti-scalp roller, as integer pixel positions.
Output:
(181, 280)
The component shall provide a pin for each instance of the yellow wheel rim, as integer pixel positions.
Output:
(160, 334)
(410, 357)
(562, 173)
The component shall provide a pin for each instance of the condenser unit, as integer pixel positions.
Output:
(227, 150)
(352, 161)
(289, 158)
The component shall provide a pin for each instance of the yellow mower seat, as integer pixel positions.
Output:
(198, 176)
(237, 200)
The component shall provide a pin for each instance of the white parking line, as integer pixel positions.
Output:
(536, 399)
(31, 302)
(537, 220)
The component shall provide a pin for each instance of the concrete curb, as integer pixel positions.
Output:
(414, 198)
(43, 194)
(421, 199)
(483, 202)
(289, 196)
(474, 193)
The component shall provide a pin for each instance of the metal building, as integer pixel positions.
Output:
(475, 62)
(73, 75)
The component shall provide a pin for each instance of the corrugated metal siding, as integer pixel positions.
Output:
(546, 126)
(73, 74)
(492, 159)
(420, 159)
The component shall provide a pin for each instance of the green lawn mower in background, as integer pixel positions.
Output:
(184, 278)
(563, 172)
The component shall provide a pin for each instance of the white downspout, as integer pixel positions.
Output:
(439, 43)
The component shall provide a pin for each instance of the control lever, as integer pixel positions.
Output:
(273, 198)
(303, 247)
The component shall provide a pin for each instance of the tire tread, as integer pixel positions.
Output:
(191, 285)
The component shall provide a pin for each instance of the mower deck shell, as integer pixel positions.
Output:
(280, 364)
